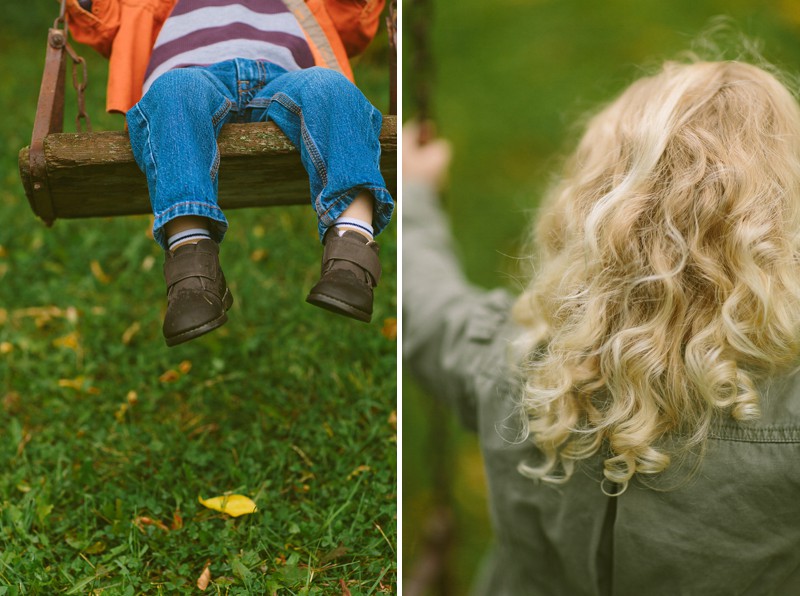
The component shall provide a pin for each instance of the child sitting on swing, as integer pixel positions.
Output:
(638, 405)
(180, 69)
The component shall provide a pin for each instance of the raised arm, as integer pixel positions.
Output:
(450, 327)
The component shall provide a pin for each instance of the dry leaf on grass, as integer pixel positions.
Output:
(142, 521)
(172, 375)
(357, 471)
(169, 376)
(26, 438)
(69, 341)
(389, 330)
(131, 399)
(345, 589)
(205, 577)
(233, 505)
(132, 330)
(98, 272)
(78, 384)
(177, 520)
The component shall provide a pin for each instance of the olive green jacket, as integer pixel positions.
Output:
(731, 528)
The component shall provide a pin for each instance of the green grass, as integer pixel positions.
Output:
(513, 78)
(286, 404)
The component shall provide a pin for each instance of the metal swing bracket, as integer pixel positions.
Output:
(50, 114)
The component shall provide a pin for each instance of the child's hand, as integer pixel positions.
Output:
(424, 162)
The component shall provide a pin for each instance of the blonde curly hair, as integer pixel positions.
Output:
(669, 280)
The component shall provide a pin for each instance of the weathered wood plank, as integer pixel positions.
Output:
(95, 175)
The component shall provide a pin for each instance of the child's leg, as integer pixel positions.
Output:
(336, 130)
(357, 216)
(173, 132)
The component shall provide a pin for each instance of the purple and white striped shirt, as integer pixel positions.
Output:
(204, 32)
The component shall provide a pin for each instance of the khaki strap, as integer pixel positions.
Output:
(315, 33)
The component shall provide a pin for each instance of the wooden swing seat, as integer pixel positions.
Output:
(95, 175)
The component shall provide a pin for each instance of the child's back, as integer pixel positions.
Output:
(650, 361)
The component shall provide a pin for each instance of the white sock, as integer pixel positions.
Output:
(342, 224)
(194, 236)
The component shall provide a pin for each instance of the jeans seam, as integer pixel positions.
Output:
(221, 112)
(311, 146)
(215, 163)
(149, 145)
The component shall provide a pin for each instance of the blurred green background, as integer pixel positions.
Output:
(513, 80)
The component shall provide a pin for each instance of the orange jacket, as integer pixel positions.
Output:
(124, 31)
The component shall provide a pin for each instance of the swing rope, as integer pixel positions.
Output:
(431, 567)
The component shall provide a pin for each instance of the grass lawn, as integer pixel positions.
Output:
(108, 437)
(513, 81)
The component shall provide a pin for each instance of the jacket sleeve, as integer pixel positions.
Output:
(96, 28)
(452, 331)
(356, 22)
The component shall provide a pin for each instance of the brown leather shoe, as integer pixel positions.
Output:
(350, 269)
(197, 295)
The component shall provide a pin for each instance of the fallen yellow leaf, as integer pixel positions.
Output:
(132, 330)
(76, 383)
(98, 272)
(69, 341)
(79, 384)
(233, 505)
(357, 471)
(121, 411)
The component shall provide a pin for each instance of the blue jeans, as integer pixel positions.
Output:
(174, 127)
